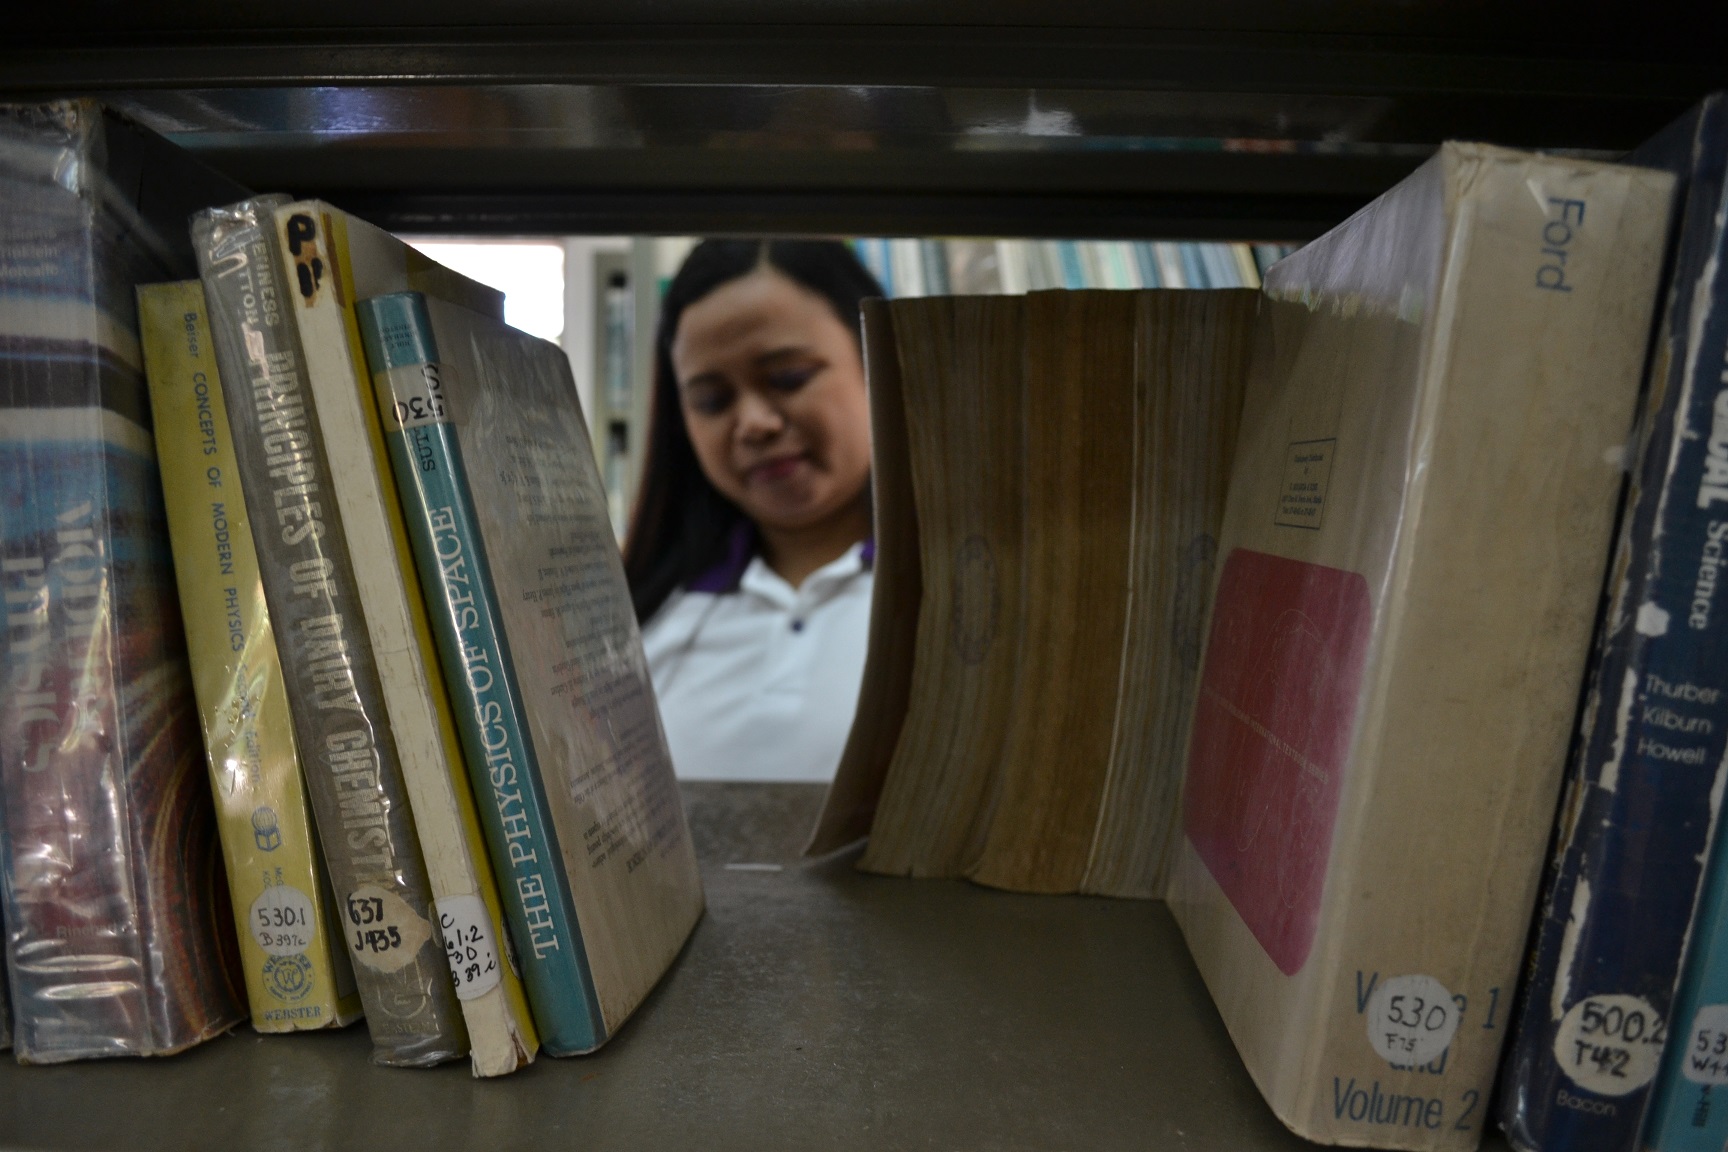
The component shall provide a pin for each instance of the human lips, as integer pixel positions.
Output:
(777, 469)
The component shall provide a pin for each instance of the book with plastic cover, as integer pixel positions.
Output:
(1419, 516)
(116, 935)
(347, 747)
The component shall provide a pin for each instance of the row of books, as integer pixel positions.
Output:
(313, 598)
(1281, 605)
(936, 267)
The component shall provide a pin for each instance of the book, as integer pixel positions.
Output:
(296, 970)
(1641, 865)
(115, 942)
(334, 259)
(347, 745)
(1646, 770)
(1073, 564)
(541, 646)
(885, 688)
(1413, 546)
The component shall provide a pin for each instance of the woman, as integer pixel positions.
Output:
(749, 553)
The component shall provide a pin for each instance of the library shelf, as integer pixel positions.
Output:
(1241, 119)
(815, 1007)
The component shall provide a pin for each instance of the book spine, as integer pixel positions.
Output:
(347, 748)
(1689, 1105)
(5, 994)
(294, 978)
(313, 238)
(402, 352)
(109, 868)
(1646, 770)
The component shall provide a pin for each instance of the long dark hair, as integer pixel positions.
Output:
(681, 524)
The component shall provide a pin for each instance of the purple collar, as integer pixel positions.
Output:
(741, 543)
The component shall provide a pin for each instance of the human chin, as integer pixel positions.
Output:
(789, 500)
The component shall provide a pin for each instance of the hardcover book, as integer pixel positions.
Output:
(540, 645)
(297, 970)
(1413, 546)
(1664, 676)
(115, 943)
(333, 260)
(347, 744)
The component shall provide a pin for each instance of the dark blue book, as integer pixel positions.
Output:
(1636, 815)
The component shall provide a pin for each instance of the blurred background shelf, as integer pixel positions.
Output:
(815, 1008)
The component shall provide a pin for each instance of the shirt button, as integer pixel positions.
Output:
(797, 625)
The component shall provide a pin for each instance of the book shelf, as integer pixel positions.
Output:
(1241, 120)
(815, 1007)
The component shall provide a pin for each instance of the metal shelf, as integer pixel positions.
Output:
(1249, 119)
(815, 1008)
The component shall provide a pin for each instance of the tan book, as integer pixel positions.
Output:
(1077, 504)
(960, 368)
(1067, 454)
(894, 598)
(1412, 553)
(1190, 362)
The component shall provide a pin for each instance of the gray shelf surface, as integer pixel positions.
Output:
(814, 1008)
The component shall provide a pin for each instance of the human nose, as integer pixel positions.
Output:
(758, 418)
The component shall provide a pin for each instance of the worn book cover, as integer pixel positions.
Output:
(1655, 801)
(116, 942)
(1418, 523)
(608, 837)
(1647, 767)
(334, 259)
(296, 968)
(468, 623)
(347, 744)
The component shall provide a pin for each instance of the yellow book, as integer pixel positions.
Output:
(326, 252)
(295, 977)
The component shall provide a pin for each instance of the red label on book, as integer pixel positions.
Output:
(1272, 730)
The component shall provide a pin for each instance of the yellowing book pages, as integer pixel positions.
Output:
(1413, 548)
(298, 975)
(329, 257)
(1049, 474)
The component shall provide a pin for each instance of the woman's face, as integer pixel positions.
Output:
(772, 386)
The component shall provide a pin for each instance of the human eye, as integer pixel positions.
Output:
(706, 398)
(793, 378)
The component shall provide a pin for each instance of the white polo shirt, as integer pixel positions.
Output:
(760, 682)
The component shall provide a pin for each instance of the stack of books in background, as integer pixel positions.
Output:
(417, 694)
(923, 267)
(1366, 613)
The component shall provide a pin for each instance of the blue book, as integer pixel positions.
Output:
(934, 256)
(539, 648)
(1193, 267)
(1637, 811)
(1072, 266)
(1682, 1115)
(1146, 260)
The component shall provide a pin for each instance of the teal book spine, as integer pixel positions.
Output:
(450, 557)
(1689, 1112)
